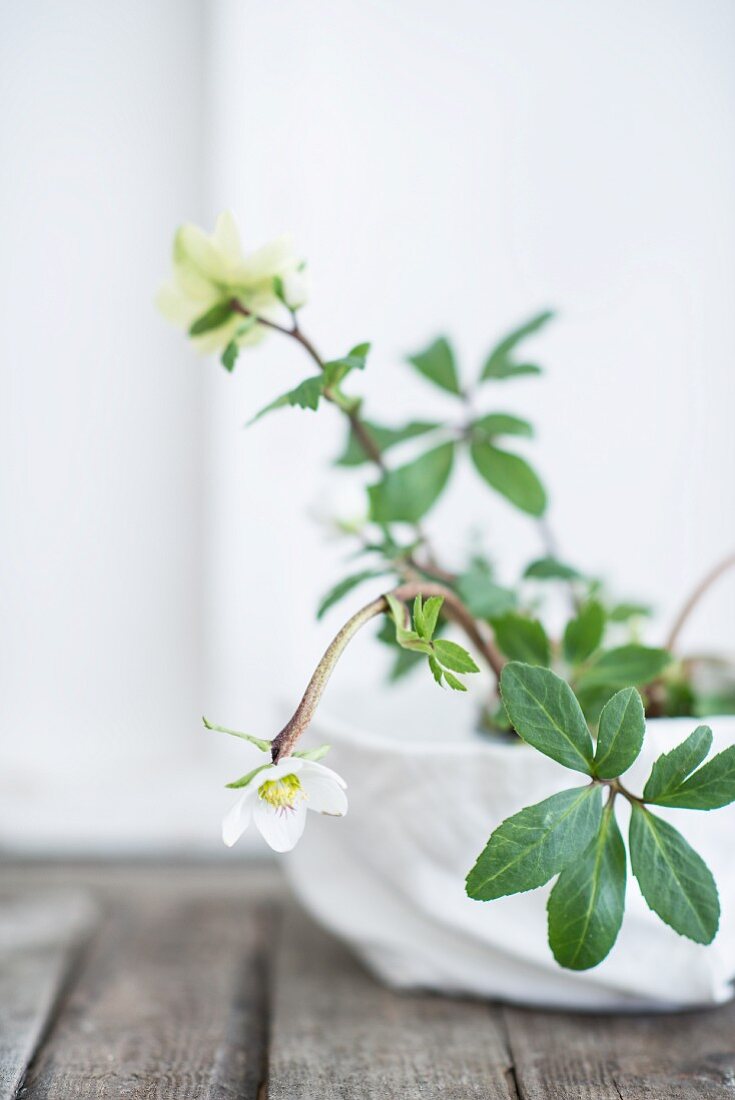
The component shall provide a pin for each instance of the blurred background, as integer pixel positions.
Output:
(444, 169)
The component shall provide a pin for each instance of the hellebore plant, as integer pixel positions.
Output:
(581, 699)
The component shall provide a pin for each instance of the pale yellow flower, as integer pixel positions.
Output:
(209, 269)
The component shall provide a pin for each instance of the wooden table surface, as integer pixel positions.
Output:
(205, 981)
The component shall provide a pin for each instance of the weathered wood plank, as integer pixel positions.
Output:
(39, 942)
(565, 1057)
(336, 1033)
(169, 1003)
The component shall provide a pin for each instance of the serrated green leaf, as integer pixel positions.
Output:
(511, 476)
(500, 363)
(344, 587)
(671, 768)
(709, 788)
(406, 494)
(418, 617)
(546, 714)
(453, 682)
(304, 396)
(551, 569)
(384, 438)
(484, 598)
(436, 670)
(245, 779)
(437, 364)
(675, 881)
(313, 754)
(527, 849)
(214, 318)
(259, 742)
(432, 607)
(493, 425)
(335, 370)
(583, 634)
(620, 734)
(627, 666)
(522, 639)
(229, 356)
(454, 656)
(587, 903)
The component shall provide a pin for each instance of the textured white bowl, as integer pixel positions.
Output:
(389, 877)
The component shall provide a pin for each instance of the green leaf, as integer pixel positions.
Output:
(672, 768)
(454, 683)
(384, 438)
(436, 670)
(500, 363)
(511, 476)
(583, 634)
(620, 734)
(306, 396)
(215, 317)
(588, 900)
(551, 569)
(229, 356)
(627, 666)
(546, 714)
(708, 788)
(418, 617)
(522, 639)
(622, 612)
(496, 424)
(407, 494)
(344, 587)
(245, 779)
(432, 607)
(676, 882)
(454, 656)
(437, 364)
(259, 742)
(335, 370)
(535, 844)
(314, 754)
(484, 598)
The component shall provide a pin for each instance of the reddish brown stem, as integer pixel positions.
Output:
(285, 742)
(704, 585)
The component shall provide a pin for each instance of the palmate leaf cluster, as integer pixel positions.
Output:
(575, 836)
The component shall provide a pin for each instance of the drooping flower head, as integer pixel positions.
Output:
(277, 798)
(210, 270)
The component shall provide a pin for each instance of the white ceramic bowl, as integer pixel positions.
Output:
(389, 877)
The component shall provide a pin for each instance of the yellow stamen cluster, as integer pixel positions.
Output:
(281, 793)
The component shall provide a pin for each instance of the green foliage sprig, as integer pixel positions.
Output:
(580, 697)
(575, 834)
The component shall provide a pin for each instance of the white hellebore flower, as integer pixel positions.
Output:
(211, 269)
(278, 797)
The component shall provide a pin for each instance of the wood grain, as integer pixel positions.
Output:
(38, 953)
(568, 1057)
(168, 1003)
(336, 1033)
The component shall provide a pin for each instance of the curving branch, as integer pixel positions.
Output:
(702, 588)
(284, 743)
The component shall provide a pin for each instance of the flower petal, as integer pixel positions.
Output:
(237, 820)
(281, 829)
(324, 795)
(313, 767)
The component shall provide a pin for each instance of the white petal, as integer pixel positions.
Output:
(272, 259)
(237, 820)
(281, 829)
(313, 767)
(324, 795)
(295, 288)
(226, 237)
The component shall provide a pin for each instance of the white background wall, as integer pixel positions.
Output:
(442, 169)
